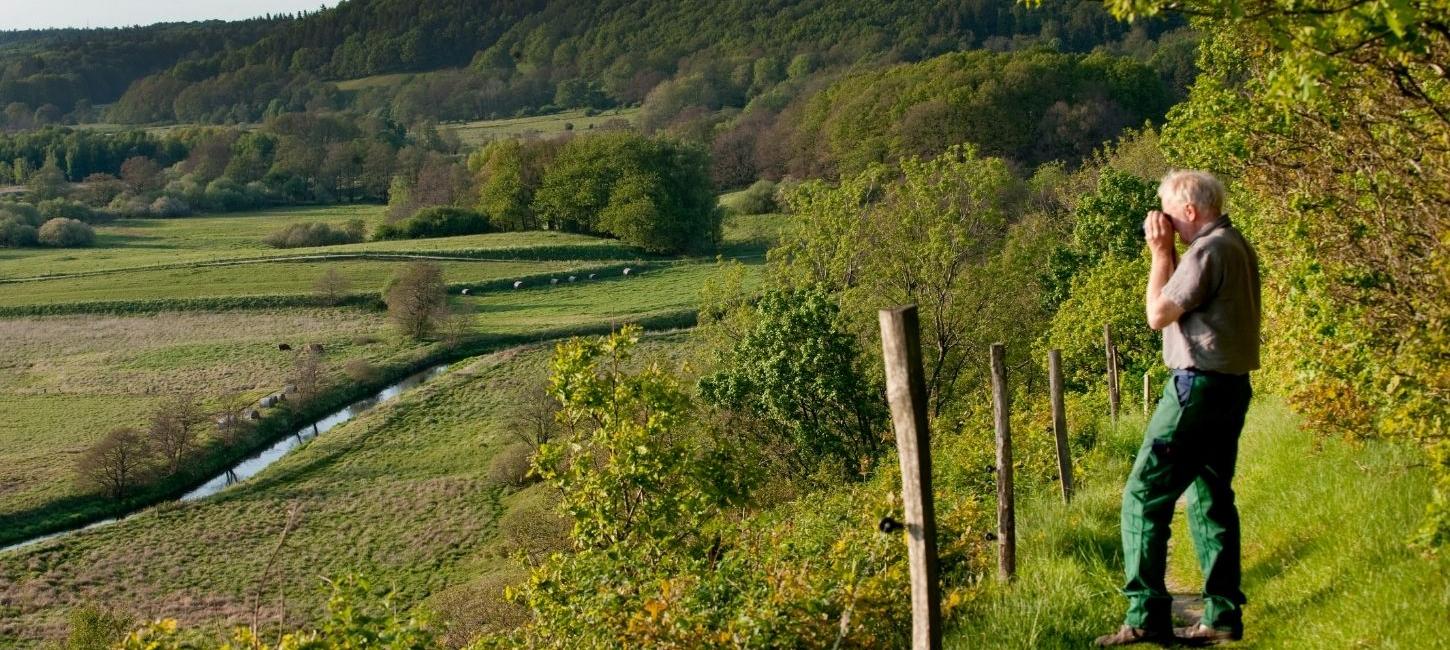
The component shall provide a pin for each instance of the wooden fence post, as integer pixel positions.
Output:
(1059, 422)
(906, 392)
(1147, 397)
(1006, 512)
(1112, 371)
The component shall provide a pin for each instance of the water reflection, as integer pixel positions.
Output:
(254, 464)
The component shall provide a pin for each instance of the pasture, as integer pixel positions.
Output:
(473, 134)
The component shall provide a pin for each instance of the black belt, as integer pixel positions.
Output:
(1189, 372)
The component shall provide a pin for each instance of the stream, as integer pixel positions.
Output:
(254, 464)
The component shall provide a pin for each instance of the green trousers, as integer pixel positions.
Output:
(1191, 444)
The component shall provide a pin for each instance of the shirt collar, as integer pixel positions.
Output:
(1214, 225)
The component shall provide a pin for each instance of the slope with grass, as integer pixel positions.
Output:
(403, 494)
(1326, 559)
(482, 131)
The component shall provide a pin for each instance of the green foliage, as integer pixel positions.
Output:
(1110, 293)
(437, 221)
(1033, 107)
(15, 233)
(651, 193)
(93, 628)
(759, 198)
(1104, 223)
(628, 479)
(301, 235)
(66, 233)
(935, 235)
(358, 616)
(796, 381)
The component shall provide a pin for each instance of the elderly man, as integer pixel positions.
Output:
(1207, 306)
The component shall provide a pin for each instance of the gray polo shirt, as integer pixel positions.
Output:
(1217, 285)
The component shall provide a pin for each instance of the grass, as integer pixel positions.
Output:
(376, 80)
(400, 494)
(1326, 563)
(480, 132)
(129, 244)
(280, 277)
(67, 380)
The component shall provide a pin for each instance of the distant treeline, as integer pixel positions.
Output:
(479, 60)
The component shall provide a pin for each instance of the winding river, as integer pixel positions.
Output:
(254, 464)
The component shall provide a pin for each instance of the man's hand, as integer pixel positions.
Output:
(1158, 232)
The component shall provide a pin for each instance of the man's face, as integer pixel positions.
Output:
(1184, 217)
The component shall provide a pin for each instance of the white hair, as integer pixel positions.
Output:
(1194, 187)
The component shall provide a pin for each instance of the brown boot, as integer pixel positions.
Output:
(1128, 635)
(1202, 635)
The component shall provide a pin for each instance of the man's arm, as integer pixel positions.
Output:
(1159, 233)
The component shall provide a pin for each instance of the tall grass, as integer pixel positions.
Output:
(1326, 562)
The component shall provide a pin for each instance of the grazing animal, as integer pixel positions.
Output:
(284, 347)
(518, 283)
(252, 414)
(591, 276)
(571, 278)
(553, 280)
(627, 270)
(464, 292)
(315, 347)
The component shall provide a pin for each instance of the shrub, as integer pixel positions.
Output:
(437, 221)
(15, 233)
(66, 233)
(534, 530)
(169, 206)
(93, 628)
(510, 466)
(300, 235)
(23, 212)
(129, 205)
(67, 209)
(360, 370)
(759, 198)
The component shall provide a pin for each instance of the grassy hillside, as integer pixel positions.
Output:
(1326, 564)
(402, 494)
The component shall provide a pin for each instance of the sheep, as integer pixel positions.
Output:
(571, 278)
(252, 414)
(518, 283)
(553, 280)
(627, 270)
(269, 401)
(315, 347)
(591, 276)
(465, 291)
(284, 347)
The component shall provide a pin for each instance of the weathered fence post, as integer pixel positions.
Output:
(1111, 353)
(1147, 399)
(906, 392)
(1006, 512)
(1059, 422)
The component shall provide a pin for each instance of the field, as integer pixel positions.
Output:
(476, 133)
(402, 494)
(141, 243)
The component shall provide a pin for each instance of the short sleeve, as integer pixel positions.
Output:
(1192, 282)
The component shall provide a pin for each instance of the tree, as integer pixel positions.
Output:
(116, 464)
(795, 374)
(48, 182)
(141, 174)
(174, 430)
(417, 299)
(307, 373)
(628, 479)
(332, 286)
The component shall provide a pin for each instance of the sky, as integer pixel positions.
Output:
(33, 14)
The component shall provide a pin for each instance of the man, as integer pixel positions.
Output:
(1207, 306)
